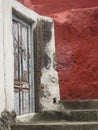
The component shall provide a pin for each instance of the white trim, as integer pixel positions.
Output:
(24, 11)
(46, 18)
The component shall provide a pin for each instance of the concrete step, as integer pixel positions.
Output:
(56, 126)
(84, 115)
(68, 115)
(80, 104)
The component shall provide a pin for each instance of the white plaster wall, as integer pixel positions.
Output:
(49, 77)
(2, 92)
(8, 55)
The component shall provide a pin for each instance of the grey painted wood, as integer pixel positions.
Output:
(24, 76)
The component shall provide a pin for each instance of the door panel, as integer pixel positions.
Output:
(25, 53)
(16, 56)
(16, 100)
(22, 84)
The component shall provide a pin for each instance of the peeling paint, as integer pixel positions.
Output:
(47, 61)
(46, 77)
(49, 75)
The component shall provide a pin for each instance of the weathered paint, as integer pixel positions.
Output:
(22, 54)
(30, 17)
(77, 54)
(2, 89)
(77, 62)
(8, 55)
(25, 118)
(49, 77)
(50, 7)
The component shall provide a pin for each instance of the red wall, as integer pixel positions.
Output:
(76, 44)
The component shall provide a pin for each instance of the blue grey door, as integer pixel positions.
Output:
(23, 74)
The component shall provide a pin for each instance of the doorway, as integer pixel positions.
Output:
(23, 67)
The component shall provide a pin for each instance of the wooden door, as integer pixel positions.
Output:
(22, 66)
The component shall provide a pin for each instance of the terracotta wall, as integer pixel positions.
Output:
(76, 30)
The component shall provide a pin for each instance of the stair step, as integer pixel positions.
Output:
(80, 104)
(56, 126)
(84, 115)
(68, 115)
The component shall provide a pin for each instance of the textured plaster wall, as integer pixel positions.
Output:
(49, 81)
(48, 7)
(6, 56)
(77, 54)
(47, 77)
(76, 44)
(2, 95)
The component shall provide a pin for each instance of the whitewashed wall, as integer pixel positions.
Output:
(6, 56)
(2, 91)
(49, 78)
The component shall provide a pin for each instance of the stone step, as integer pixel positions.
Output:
(56, 126)
(80, 104)
(84, 115)
(68, 115)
